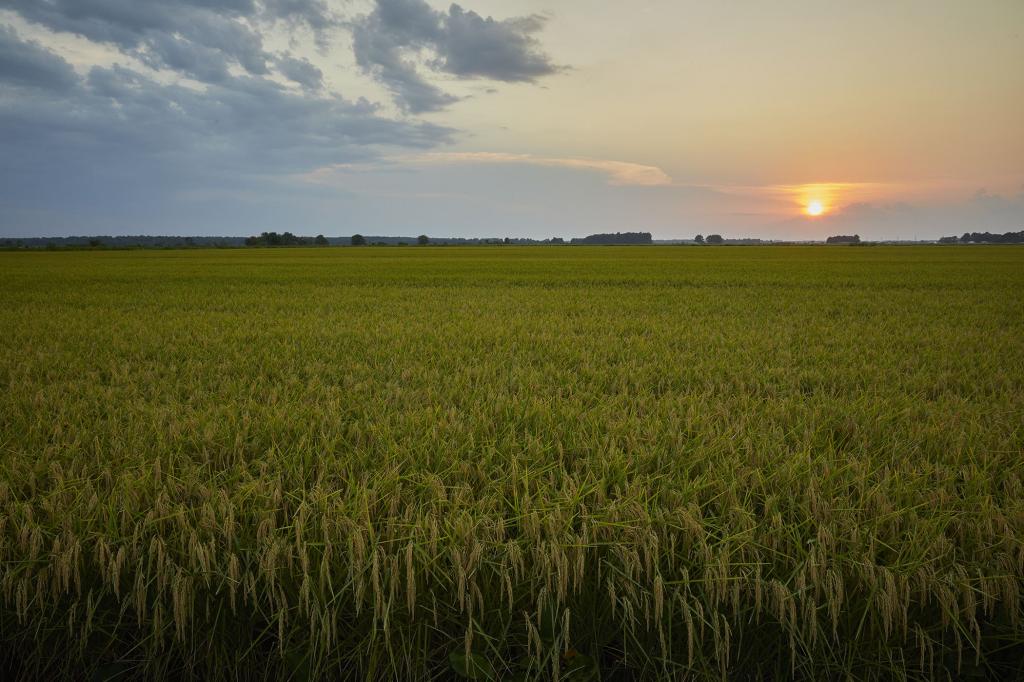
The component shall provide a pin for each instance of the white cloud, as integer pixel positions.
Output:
(617, 172)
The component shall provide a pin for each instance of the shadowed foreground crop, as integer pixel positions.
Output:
(501, 462)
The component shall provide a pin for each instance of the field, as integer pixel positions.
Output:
(513, 463)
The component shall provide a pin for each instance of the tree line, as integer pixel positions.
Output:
(986, 238)
(285, 239)
(617, 238)
(274, 239)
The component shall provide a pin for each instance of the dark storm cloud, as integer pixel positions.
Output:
(460, 43)
(29, 64)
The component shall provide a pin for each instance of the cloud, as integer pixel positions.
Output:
(29, 64)
(618, 173)
(460, 43)
(168, 99)
(245, 123)
(313, 13)
(202, 39)
(160, 33)
(497, 50)
(301, 71)
(208, 40)
(377, 53)
(168, 51)
(117, 142)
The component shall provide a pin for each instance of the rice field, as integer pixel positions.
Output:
(513, 463)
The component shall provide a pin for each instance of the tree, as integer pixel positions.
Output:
(699, 239)
(715, 239)
(843, 239)
(321, 240)
(95, 243)
(617, 238)
(358, 240)
(275, 239)
(989, 238)
(423, 240)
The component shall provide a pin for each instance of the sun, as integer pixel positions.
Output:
(814, 208)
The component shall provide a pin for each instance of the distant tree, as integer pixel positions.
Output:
(507, 241)
(844, 239)
(321, 240)
(948, 240)
(275, 239)
(699, 239)
(423, 240)
(990, 238)
(715, 239)
(95, 243)
(617, 238)
(358, 240)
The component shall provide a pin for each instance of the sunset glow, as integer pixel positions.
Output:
(534, 118)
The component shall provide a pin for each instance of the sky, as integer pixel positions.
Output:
(519, 118)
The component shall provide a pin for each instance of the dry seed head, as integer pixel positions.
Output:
(659, 597)
(410, 580)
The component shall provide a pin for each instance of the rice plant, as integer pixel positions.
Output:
(513, 463)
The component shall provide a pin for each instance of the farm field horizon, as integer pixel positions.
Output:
(513, 463)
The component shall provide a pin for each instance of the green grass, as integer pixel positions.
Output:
(544, 462)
